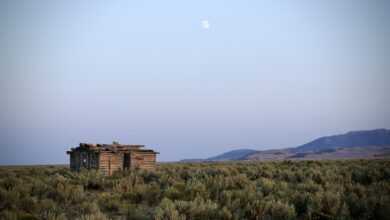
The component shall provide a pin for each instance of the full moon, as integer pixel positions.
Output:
(205, 24)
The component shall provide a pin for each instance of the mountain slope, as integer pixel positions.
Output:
(367, 144)
(367, 152)
(233, 155)
(378, 137)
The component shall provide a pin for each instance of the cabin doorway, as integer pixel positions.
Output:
(126, 161)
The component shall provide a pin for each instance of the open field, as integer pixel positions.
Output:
(355, 189)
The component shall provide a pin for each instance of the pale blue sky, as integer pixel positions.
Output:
(266, 74)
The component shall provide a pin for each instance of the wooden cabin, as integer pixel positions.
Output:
(109, 158)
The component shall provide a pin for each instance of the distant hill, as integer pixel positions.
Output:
(368, 144)
(239, 154)
(366, 152)
(192, 160)
(378, 137)
(233, 155)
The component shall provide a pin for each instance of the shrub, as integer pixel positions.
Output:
(279, 211)
(167, 211)
(225, 190)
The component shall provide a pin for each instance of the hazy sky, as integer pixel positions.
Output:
(188, 78)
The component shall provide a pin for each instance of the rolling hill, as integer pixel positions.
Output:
(378, 137)
(240, 154)
(369, 144)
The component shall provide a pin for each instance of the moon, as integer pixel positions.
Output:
(205, 24)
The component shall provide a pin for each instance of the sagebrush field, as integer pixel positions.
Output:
(357, 189)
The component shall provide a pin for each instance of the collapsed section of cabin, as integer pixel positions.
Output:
(109, 158)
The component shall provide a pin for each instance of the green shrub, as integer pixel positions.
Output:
(167, 211)
(279, 211)
(358, 189)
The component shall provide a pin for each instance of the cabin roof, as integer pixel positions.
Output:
(112, 147)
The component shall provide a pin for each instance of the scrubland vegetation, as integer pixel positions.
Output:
(235, 190)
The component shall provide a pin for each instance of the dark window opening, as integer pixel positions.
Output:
(126, 161)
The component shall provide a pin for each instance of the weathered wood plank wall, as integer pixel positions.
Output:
(110, 162)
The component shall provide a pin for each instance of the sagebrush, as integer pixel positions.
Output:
(358, 189)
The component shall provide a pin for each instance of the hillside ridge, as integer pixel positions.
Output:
(356, 144)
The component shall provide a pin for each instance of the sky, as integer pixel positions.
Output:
(190, 79)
